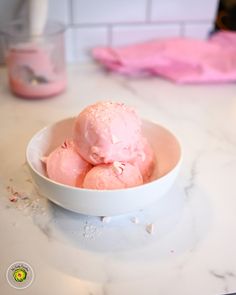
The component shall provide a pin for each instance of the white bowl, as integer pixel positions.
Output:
(105, 202)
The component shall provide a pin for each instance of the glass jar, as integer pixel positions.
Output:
(36, 64)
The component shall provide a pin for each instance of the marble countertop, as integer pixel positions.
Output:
(192, 248)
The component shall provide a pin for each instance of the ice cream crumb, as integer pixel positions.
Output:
(24, 202)
(150, 228)
(106, 219)
(135, 220)
(13, 198)
(90, 231)
(29, 180)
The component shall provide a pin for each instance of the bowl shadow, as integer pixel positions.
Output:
(126, 248)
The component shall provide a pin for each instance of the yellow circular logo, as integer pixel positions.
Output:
(20, 275)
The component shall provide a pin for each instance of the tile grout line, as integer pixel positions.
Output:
(182, 29)
(109, 35)
(72, 29)
(148, 11)
(70, 13)
(152, 23)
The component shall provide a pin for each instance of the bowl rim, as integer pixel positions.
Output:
(176, 166)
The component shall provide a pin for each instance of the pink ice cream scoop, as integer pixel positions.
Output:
(145, 159)
(106, 132)
(113, 176)
(66, 166)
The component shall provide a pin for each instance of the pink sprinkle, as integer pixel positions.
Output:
(13, 198)
(64, 145)
(118, 167)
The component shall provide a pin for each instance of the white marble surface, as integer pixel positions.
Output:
(192, 249)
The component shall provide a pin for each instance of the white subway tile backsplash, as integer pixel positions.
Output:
(108, 11)
(183, 10)
(199, 31)
(94, 23)
(59, 10)
(130, 34)
(88, 38)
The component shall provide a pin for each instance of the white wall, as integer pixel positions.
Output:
(119, 22)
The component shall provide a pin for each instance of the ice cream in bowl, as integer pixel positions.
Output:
(105, 161)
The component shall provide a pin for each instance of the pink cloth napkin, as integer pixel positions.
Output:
(177, 59)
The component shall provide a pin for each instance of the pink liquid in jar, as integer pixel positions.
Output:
(35, 72)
